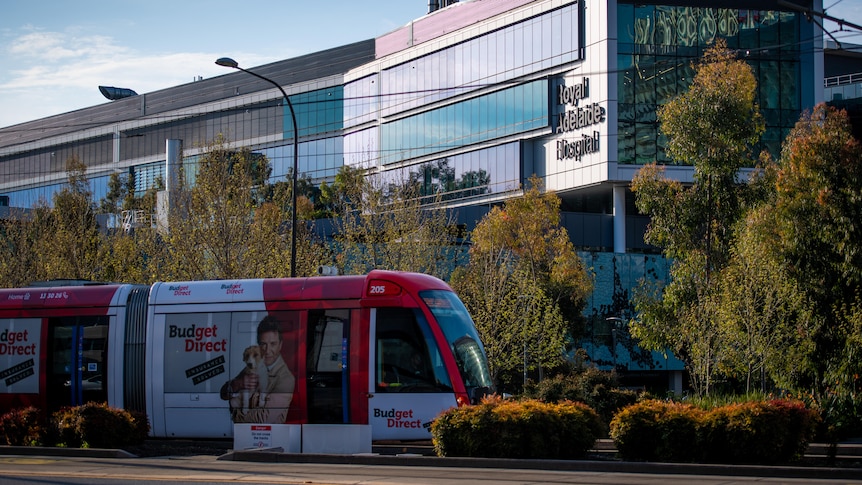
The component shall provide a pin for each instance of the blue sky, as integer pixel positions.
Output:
(55, 53)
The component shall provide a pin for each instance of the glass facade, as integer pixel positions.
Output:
(316, 112)
(458, 177)
(318, 159)
(506, 112)
(490, 60)
(433, 119)
(657, 45)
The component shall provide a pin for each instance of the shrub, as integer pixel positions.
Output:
(597, 389)
(496, 428)
(656, 431)
(96, 425)
(758, 432)
(141, 425)
(25, 427)
(751, 432)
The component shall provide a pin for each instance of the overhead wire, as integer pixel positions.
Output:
(471, 87)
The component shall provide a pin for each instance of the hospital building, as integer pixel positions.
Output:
(473, 98)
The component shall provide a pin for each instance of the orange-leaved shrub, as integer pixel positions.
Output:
(772, 431)
(497, 428)
(25, 427)
(655, 430)
(766, 432)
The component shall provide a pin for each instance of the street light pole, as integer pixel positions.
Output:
(228, 62)
(616, 326)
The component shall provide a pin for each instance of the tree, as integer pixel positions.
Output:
(818, 206)
(225, 227)
(69, 247)
(19, 234)
(712, 127)
(760, 309)
(524, 285)
(387, 226)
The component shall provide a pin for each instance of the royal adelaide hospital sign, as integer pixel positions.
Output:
(574, 117)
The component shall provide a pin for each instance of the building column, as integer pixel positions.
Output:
(173, 161)
(619, 218)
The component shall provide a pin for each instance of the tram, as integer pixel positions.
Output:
(388, 349)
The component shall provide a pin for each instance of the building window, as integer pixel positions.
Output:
(657, 45)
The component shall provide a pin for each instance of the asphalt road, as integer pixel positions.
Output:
(392, 470)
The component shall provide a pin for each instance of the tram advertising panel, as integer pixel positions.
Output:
(19, 355)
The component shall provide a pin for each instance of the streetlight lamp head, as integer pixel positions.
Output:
(227, 62)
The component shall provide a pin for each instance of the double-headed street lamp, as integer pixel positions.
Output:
(228, 62)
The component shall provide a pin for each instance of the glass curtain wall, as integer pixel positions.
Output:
(657, 45)
(491, 64)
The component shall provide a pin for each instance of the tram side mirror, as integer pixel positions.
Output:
(478, 393)
(327, 271)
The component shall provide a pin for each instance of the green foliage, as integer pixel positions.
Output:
(765, 432)
(97, 425)
(516, 429)
(712, 127)
(656, 431)
(25, 427)
(597, 389)
(70, 241)
(760, 309)
(388, 226)
(818, 206)
(524, 285)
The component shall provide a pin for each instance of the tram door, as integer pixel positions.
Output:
(77, 358)
(326, 366)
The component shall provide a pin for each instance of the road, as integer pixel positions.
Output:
(18, 469)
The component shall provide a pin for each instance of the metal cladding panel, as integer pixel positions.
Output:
(290, 71)
(219, 291)
(317, 288)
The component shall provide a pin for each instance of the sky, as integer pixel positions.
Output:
(55, 53)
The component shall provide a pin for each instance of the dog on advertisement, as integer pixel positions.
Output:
(252, 358)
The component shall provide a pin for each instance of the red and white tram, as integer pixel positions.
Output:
(388, 349)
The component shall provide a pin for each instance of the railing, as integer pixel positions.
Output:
(843, 79)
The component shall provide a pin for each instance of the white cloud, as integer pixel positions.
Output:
(66, 70)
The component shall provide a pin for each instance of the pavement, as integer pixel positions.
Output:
(243, 458)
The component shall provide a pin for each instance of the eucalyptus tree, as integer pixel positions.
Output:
(380, 224)
(524, 285)
(818, 206)
(711, 127)
(225, 225)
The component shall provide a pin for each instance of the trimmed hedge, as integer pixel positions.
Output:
(496, 428)
(92, 425)
(764, 432)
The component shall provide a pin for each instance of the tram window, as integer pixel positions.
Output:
(408, 359)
